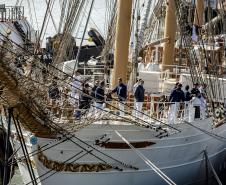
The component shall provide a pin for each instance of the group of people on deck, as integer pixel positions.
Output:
(98, 93)
(84, 97)
(194, 102)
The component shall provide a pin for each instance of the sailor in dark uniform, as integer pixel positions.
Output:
(100, 96)
(187, 99)
(121, 91)
(176, 96)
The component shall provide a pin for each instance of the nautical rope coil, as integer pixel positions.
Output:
(15, 95)
(219, 115)
(76, 167)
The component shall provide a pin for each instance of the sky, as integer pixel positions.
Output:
(36, 14)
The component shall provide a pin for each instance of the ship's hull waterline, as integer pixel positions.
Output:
(179, 156)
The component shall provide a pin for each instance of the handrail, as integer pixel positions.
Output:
(157, 109)
(186, 67)
(11, 13)
(100, 69)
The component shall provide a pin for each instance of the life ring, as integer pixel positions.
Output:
(33, 140)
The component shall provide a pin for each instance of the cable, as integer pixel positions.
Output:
(35, 14)
(218, 137)
(83, 36)
(44, 20)
(72, 17)
(67, 134)
(36, 152)
(24, 149)
(60, 129)
(124, 104)
(147, 161)
(39, 178)
(50, 12)
(93, 105)
(31, 17)
(192, 65)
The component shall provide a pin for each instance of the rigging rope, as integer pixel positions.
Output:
(44, 21)
(72, 17)
(83, 36)
(35, 14)
(50, 12)
(216, 136)
(47, 22)
(60, 129)
(30, 12)
(126, 112)
(25, 151)
(195, 74)
(147, 161)
(46, 173)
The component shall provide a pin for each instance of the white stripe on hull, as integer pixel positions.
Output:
(183, 174)
(180, 156)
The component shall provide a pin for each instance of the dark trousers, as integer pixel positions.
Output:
(197, 111)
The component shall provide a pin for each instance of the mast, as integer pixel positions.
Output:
(122, 41)
(199, 12)
(170, 32)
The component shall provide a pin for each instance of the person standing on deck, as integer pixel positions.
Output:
(176, 96)
(76, 90)
(85, 98)
(94, 88)
(54, 92)
(187, 99)
(121, 91)
(141, 65)
(139, 97)
(175, 87)
(134, 90)
(202, 99)
(100, 96)
(76, 86)
(136, 85)
(196, 95)
(195, 90)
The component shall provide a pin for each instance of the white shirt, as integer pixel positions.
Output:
(76, 86)
(140, 67)
(135, 87)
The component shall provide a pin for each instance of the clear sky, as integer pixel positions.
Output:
(38, 8)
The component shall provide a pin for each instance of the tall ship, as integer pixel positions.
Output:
(57, 141)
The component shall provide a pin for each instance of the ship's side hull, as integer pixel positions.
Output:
(190, 173)
(180, 156)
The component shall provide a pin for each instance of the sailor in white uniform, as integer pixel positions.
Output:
(194, 111)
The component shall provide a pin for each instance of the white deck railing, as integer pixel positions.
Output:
(156, 109)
